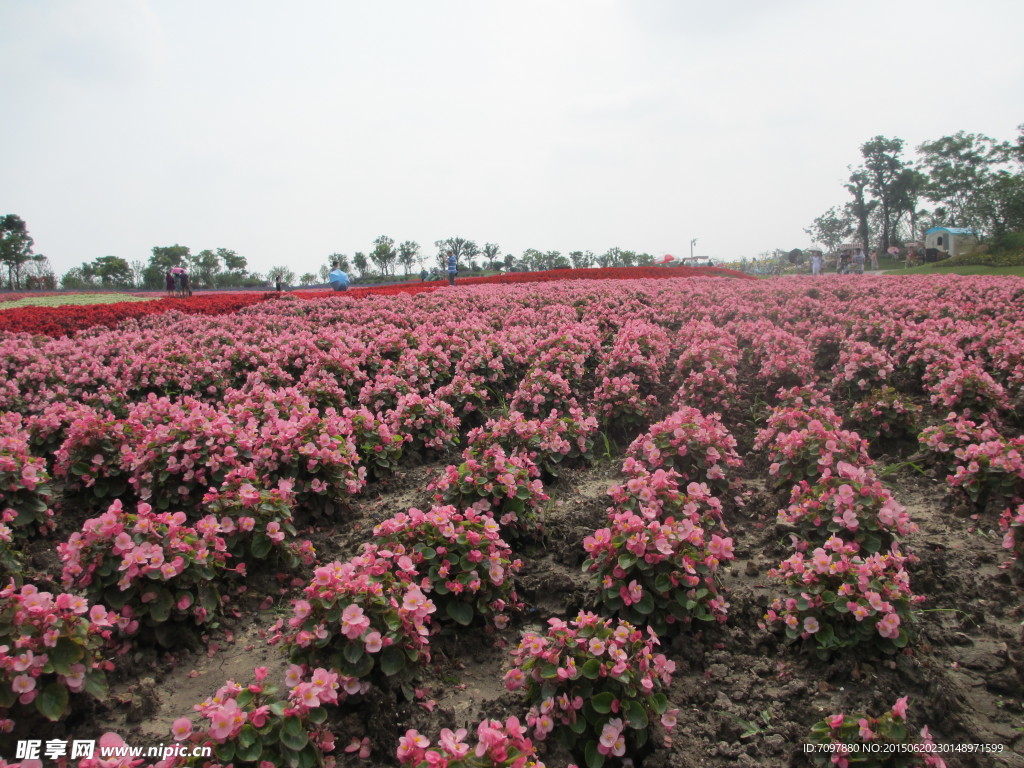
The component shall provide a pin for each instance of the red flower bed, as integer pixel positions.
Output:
(58, 321)
(605, 273)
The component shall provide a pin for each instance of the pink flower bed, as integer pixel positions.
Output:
(175, 469)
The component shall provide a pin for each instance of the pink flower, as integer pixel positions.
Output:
(181, 729)
(899, 709)
(23, 684)
(889, 626)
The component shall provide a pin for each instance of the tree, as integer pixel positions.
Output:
(408, 253)
(38, 274)
(610, 258)
(308, 278)
(831, 229)
(112, 271)
(1004, 207)
(286, 275)
(860, 208)
(491, 252)
(232, 261)
(532, 259)
(162, 260)
(581, 259)
(462, 248)
(138, 269)
(324, 272)
(384, 253)
(359, 262)
(207, 268)
(15, 248)
(170, 256)
(961, 172)
(342, 260)
(75, 280)
(888, 180)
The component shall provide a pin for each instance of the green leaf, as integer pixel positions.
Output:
(627, 561)
(160, 608)
(635, 713)
(292, 726)
(96, 685)
(594, 758)
(461, 612)
(872, 543)
(392, 660)
(208, 598)
(591, 669)
(293, 741)
(548, 671)
(64, 654)
(352, 652)
(659, 703)
(250, 753)
(278, 707)
(247, 736)
(225, 752)
(261, 546)
(363, 668)
(646, 604)
(603, 702)
(52, 701)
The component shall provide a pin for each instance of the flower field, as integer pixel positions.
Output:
(677, 522)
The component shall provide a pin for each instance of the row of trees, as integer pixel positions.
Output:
(970, 180)
(385, 256)
(220, 268)
(224, 268)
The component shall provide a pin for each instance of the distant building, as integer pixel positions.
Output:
(952, 241)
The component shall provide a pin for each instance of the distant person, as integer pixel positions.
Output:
(858, 260)
(423, 275)
(453, 268)
(170, 283)
(337, 278)
(179, 281)
(815, 263)
(874, 260)
(277, 284)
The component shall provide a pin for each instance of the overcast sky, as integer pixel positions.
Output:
(289, 130)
